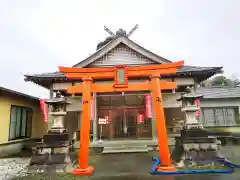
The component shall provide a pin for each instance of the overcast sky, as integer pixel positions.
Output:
(36, 36)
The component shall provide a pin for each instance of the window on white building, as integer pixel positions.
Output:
(220, 116)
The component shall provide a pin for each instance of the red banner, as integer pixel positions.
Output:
(44, 109)
(92, 109)
(140, 118)
(148, 105)
(198, 105)
(197, 102)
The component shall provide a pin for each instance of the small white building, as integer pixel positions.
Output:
(220, 106)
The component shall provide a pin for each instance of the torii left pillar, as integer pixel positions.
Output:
(83, 167)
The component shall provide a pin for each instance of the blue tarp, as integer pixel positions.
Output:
(228, 164)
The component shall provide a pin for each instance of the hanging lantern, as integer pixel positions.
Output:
(197, 102)
(107, 119)
(140, 118)
(198, 113)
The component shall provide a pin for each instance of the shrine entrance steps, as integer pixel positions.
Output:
(123, 146)
(127, 149)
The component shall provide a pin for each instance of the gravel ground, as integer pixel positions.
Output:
(10, 167)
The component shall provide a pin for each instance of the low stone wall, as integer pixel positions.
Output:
(13, 148)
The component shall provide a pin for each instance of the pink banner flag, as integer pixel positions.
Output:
(92, 109)
(44, 109)
(148, 106)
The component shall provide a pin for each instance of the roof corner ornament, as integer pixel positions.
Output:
(121, 32)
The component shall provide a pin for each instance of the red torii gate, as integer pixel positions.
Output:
(120, 74)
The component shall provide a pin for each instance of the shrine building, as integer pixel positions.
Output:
(129, 115)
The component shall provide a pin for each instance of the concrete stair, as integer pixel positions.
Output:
(126, 149)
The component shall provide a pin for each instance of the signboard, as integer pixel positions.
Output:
(140, 118)
(102, 121)
(148, 106)
(44, 108)
(121, 76)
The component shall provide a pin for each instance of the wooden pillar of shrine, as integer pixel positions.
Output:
(160, 124)
(153, 123)
(83, 168)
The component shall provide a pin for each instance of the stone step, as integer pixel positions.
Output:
(125, 146)
(125, 149)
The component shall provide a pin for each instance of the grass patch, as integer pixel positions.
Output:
(57, 176)
(234, 160)
(203, 167)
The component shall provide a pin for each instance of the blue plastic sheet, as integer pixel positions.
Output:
(196, 171)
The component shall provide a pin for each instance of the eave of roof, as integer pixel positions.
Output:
(181, 71)
(217, 93)
(18, 93)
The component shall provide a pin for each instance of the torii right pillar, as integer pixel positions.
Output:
(165, 161)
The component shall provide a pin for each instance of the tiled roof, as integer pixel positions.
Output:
(47, 75)
(212, 93)
(184, 69)
(18, 93)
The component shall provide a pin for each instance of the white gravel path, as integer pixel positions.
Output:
(10, 167)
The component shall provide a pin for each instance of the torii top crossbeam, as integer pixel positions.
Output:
(102, 73)
(120, 85)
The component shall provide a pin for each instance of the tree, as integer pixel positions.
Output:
(221, 81)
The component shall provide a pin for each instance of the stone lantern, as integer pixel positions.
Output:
(195, 146)
(190, 107)
(58, 112)
(54, 149)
